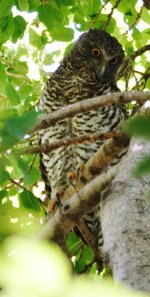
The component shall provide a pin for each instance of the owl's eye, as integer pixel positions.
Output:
(113, 60)
(96, 52)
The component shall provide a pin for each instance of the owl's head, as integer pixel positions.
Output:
(102, 53)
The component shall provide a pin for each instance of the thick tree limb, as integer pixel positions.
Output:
(85, 105)
(125, 217)
(96, 165)
(99, 162)
(74, 208)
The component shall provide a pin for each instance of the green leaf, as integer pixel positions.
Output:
(111, 26)
(3, 194)
(25, 91)
(2, 79)
(33, 5)
(6, 28)
(5, 7)
(15, 127)
(87, 255)
(4, 174)
(68, 2)
(28, 200)
(73, 243)
(49, 57)
(32, 177)
(23, 5)
(18, 164)
(139, 126)
(46, 16)
(143, 167)
(90, 7)
(19, 27)
(62, 34)
(21, 67)
(35, 39)
(12, 94)
(79, 20)
(68, 49)
(145, 15)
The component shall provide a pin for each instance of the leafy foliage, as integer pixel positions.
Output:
(34, 36)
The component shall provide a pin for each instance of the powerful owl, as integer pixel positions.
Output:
(87, 71)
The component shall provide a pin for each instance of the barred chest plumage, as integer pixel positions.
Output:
(63, 89)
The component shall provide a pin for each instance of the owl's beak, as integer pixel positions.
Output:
(100, 69)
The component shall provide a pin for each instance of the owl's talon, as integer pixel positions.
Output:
(81, 167)
(52, 206)
(72, 175)
(55, 203)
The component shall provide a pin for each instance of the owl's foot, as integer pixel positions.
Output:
(55, 203)
(72, 176)
(52, 206)
(80, 169)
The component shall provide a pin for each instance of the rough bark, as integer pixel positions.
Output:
(126, 222)
(109, 99)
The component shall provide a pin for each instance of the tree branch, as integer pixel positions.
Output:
(67, 142)
(125, 218)
(110, 14)
(110, 99)
(73, 209)
(124, 67)
(96, 165)
(99, 162)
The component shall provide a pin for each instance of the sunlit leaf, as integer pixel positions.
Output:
(35, 39)
(5, 7)
(13, 128)
(32, 177)
(20, 25)
(12, 94)
(73, 243)
(6, 28)
(2, 79)
(3, 194)
(65, 34)
(28, 200)
(23, 5)
(46, 16)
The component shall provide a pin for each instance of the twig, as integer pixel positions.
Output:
(124, 67)
(91, 241)
(143, 79)
(138, 16)
(17, 184)
(18, 76)
(110, 14)
(32, 163)
(98, 14)
(67, 142)
(110, 99)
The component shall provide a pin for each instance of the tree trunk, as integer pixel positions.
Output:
(126, 222)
